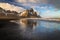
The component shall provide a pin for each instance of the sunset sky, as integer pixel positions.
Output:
(46, 8)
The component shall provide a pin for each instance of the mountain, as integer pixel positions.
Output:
(16, 9)
(29, 14)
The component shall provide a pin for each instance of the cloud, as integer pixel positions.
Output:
(10, 7)
(31, 1)
(56, 3)
(51, 14)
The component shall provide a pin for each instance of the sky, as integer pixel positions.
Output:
(45, 8)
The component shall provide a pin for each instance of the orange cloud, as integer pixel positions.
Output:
(10, 7)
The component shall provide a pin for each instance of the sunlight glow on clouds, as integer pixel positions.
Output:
(31, 1)
(10, 7)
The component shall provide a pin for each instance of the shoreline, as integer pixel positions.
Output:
(43, 19)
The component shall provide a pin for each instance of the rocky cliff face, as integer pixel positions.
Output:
(29, 14)
(3, 11)
(25, 14)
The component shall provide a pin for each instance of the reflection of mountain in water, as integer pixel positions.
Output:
(27, 27)
(28, 23)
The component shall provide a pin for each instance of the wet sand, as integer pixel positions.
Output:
(12, 31)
